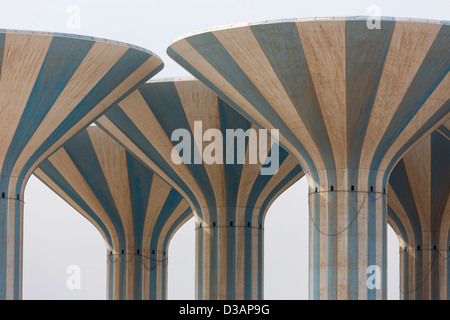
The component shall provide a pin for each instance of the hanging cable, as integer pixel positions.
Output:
(114, 257)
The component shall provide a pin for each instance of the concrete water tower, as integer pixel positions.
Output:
(348, 100)
(135, 211)
(52, 85)
(228, 171)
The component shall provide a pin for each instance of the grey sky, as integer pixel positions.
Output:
(56, 236)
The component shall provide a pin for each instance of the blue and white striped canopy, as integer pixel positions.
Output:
(52, 85)
(419, 212)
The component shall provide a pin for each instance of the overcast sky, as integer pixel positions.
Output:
(57, 237)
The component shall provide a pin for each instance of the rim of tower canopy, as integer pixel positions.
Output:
(308, 19)
(173, 79)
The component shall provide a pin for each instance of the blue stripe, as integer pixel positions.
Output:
(199, 263)
(139, 181)
(440, 177)
(316, 245)
(352, 264)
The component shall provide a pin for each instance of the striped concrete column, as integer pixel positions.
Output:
(348, 101)
(51, 86)
(136, 212)
(230, 196)
(419, 208)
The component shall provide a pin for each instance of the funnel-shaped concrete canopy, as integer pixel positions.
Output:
(348, 101)
(190, 136)
(136, 212)
(51, 86)
(419, 211)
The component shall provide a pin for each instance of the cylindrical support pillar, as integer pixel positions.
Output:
(423, 270)
(347, 241)
(419, 193)
(11, 238)
(229, 260)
